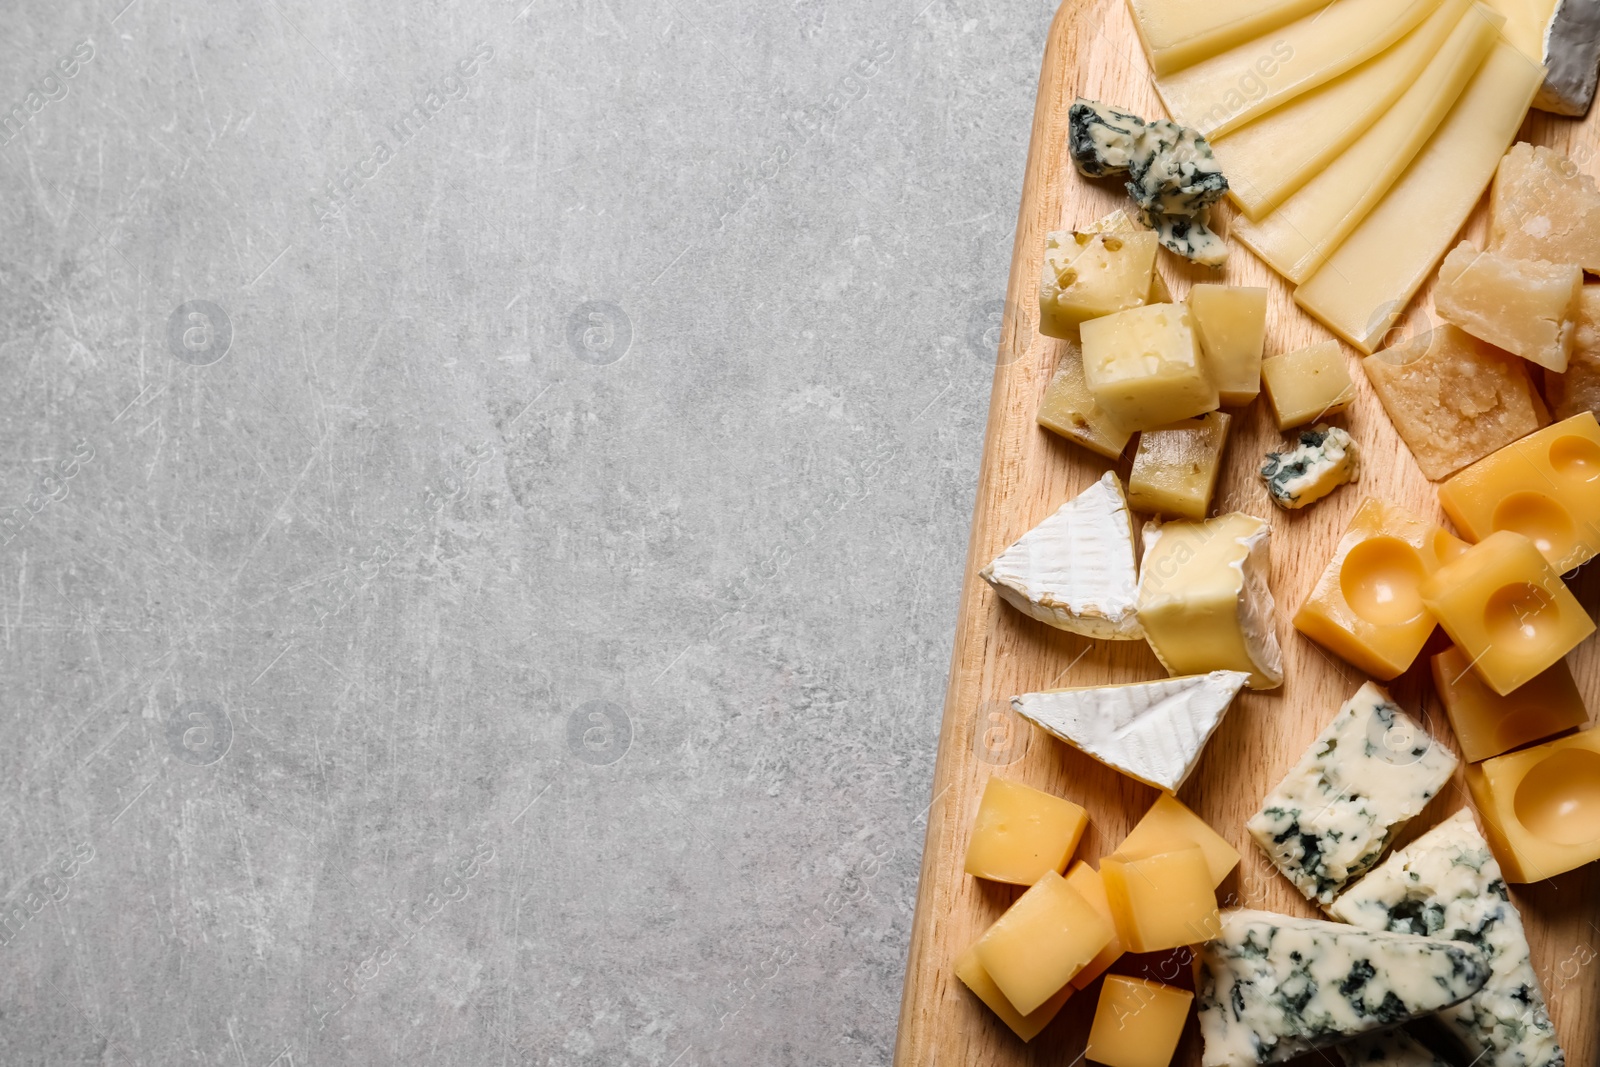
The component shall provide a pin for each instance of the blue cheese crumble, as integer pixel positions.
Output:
(1322, 460)
(1389, 1048)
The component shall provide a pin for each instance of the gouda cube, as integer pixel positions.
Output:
(1487, 724)
(1020, 833)
(1543, 207)
(1526, 306)
(1546, 486)
(1087, 275)
(1042, 940)
(1162, 901)
(1541, 806)
(1144, 367)
(1027, 1027)
(1070, 410)
(1506, 609)
(1137, 1022)
(1087, 881)
(1231, 322)
(1169, 825)
(1175, 467)
(1577, 389)
(1308, 384)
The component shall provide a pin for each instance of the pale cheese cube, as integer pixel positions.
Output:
(1069, 409)
(1543, 207)
(1231, 321)
(1042, 940)
(1175, 467)
(1144, 368)
(1308, 384)
(1087, 275)
(1526, 306)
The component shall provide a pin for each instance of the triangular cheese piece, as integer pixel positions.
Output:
(1075, 570)
(1152, 731)
(1274, 987)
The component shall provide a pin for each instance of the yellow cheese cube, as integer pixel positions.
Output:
(1169, 825)
(1544, 207)
(1163, 900)
(1453, 398)
(1027, 1027)
(1120, 222)
(1042, 940)
(1137, 1023)
(1505, 608)
(1175, 467)
(1541, 806)
(1367, 606)
(1577, 389)
(1526, 306)
(1307, 384)
(1546, 486)
(1487, 724)
(1231, 321)
(1020, 833)
(1087, 275)
(1069, 410)
(1143, 366)
(1087, 881)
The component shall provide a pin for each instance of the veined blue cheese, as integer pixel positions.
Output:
(1103, 140)
(1174, 171)
(1274, 987)
(1447, 884)
(1323, 460)
(1189, 237)
(1334, 814)
(1389, 1048)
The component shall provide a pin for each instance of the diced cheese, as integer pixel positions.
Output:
(1487, 724)
(1543, 207)
(1386, 1048)
(1447, 884)
(1231, 322)
(1324, 458)
(1175, 467)
(1366, 283)
(1204, 600)
(1020, 833)
(1086, 275)
(1137, 1023)
(1297, 237)
(1089, 885)
(1041, 941)
(1143, 366)
(1541, 806)
(1453, 398)
(1152, 731)
(1027, 1027)
(1308, 384)
(1577, 389)
(1273, 987)
(1120, 222)
(1176, 34)
(1075, 570)
(1161, 901)
(1168, 825)
(1371, 770)
(1069, 409)
(1525, 306)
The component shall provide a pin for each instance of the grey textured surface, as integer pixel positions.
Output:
(487, 488)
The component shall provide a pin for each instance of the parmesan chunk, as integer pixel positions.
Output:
(1543, 207)
(1578, 388)
(1525, 306)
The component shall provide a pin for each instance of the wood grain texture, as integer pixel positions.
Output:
(1027, 473)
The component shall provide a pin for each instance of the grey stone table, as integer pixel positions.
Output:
(486, 488)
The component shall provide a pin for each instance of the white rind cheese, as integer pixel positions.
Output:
(1447, 884)
(1075, 570)
(1273, 987)
(1152, 731)
(1331, 818)
(1571, 58)
(1323, 460)
(1388, 1048)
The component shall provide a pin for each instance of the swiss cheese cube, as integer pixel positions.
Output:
(1577, 389)
(1161, 901)
(1231, 321)
(1487, 724)
(1144, 367)
(1541, 806)
(1137, 1022)
(1170, 825)
(1175, 467)
(1120, 222)
(1308, 384)
(1087, 881)
(1526, 306)
(1020, 833)
(1087, 275)
(1543, 207)
(1069, 409)
(1042, 940)
(1027, 1027)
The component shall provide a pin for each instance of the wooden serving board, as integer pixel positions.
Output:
(1027, 473)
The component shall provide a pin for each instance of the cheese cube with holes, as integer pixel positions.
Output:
(1577, 389)
(1120, 222)
(1069, 409)
(1541, 806)
(1526, 306)
(1027, 1027)
(1307, 384)
(1487, 724)
(1169, 825)
(1091, 887)
(1087, 275)
(1503, 605)
(1041, 941)
(1137, 1023)
(1232, 323)
(1543, 207)
(1020, 833)
(1161, 901)
(1175, 467)
(1144, 368)
(1453, 398)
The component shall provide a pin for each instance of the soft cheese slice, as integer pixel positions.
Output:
(1366, 283)
(1152, 731)
(1226, 91)
(1178, 33)
(1274, 987)
(1447, 884)
(1387, 1048)
(1075, 570)
(1296, 238)
(1270, 158)
(1369, 771)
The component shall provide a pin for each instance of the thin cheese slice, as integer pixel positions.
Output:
(1366, 284)
(1178, 33)
(1228, 90)
(1295, 239)
(1270, 158)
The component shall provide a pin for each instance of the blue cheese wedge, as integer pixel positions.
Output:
(1447, 884)
(1274, 987)
(1103, 140)
(1188, 236)
(1331, 818)
(1174, 171)
(1323, 459)
(1390, 1048)
(1152, 731)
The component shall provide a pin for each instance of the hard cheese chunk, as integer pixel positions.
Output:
(1274, 987)
(1137, 1023)
(1231, 321)
(1577, 389)
(1541, 806)
(1176, 33)
(1161, 901)
(1175, 467)
(1308, 384)
(1143, 366)
(1169, 825)
(1487, 724)
(1447, 884)
(1453, 398)
(1075, 570)
(1069, 409)
(1087, 275)
(1204, 602)
(1119, 222)
(1091, 887)
(1525, 306)
(1387, 1048)
(1152, 731)
(1504, 606)
(1020, 833)
(1370, 771)
(1324, 458)
(1042, 940)
(1543, 207)
(974, 977)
